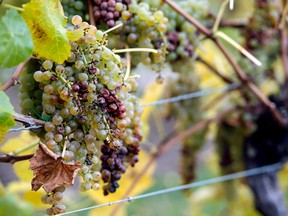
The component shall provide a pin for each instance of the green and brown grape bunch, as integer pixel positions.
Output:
(91, 113)
(143, 27)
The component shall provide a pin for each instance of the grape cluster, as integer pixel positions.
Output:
(261, 36)
(89, 109)
(54, 199)
(75, 7)
(142, 28)
(182, 37)
(110, 11)
(186, 113)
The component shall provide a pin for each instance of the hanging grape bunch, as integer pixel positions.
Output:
(142, 28)
(182, 36)
(91, 115)
(78, 7)
(261, 33)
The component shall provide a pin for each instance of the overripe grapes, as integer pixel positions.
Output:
(90, 111)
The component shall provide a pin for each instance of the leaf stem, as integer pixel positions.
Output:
(11, 7)
(128, 68)
(113, 28)
(238, 47)
(219, 16)
(135, 50)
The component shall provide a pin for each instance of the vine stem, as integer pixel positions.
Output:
(91, 16)
(215, 71)
(219, 16)
(240, 74)
(11, 7)
(27, 119)
(167, 143)
(13, 159)
(14, 79)
(284, 52)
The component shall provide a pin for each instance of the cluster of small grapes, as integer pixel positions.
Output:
(262, 26)
(261, 38)
(142, 27)
(54, 199)
(72, 7)
(186, 113)
(87, 106)
(182, 37)
(110, 11)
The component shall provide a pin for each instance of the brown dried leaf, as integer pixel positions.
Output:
(49, 170)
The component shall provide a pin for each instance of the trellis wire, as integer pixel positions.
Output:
(191, 95)
(25, 128)
(246, 173)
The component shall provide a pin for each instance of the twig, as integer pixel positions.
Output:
(13, 159)
(241, 75)
(14, 79)
(214, 70)
(91, 15)
(219, 16)
(166, 144)
(283, 18)
(238, 47)
(27, 120)
(284, 52)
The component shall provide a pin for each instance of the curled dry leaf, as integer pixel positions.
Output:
(49, 170)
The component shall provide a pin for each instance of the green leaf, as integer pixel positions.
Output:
(16, 42)
(6, 118)
(46, 21)
(6, 122)
(6, 106)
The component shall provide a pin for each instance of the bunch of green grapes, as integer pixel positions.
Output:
(182, 36)
(75, 7)
(230, 141)
(262, 35)
(142, 28)
(90, 112)
(186, 113)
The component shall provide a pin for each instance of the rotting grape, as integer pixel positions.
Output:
(83, 102)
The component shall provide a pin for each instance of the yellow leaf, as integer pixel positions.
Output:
(23, 172)
(152, 93)
(145, 182)
(76, 34)
(19, 142)
(46, 22)
(24, 190)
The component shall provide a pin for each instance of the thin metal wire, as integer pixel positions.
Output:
(246, 173)
(25, 128)
(191, 95)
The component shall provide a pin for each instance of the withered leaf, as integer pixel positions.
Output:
(49, 170)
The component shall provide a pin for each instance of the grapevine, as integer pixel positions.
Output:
(79, 92)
